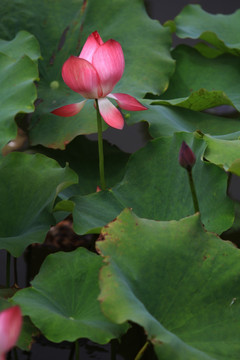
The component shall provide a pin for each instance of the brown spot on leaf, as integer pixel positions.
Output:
(52, 59)
(37, 102)
(83, 9)
(101, 237)
(84, 5)
(79, 38)
(157, 342)
(63, 38)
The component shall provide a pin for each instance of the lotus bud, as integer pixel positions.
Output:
(187, 158)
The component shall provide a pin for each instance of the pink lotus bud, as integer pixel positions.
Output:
(186, 156)
(10, 327)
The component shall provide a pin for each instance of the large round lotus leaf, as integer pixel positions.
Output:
(176, 280)
(156, 187)
(165, 120)
(147, 68)
(28, 329)
(219, 30)
(62, 301)
(200, 83)
(29, 185)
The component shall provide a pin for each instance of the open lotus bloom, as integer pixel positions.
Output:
(93, 75)
(10, 327)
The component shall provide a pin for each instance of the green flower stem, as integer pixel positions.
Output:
(141, 351)
(76, 349)
(8, 266)
(100, 148)
(193, 190)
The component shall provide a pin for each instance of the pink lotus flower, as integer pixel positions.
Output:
(10, 327)
(93, 75)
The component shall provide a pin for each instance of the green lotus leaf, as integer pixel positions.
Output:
(222, 152)
(165, 120)
(207, 51)
(29, 186)
(182, 287)
(24, 43)
(18, 71)
(235, 167)
(17, 93)
(188, 87)
(93, 211)
(221, 31)
(62, 301)
(156, 187)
